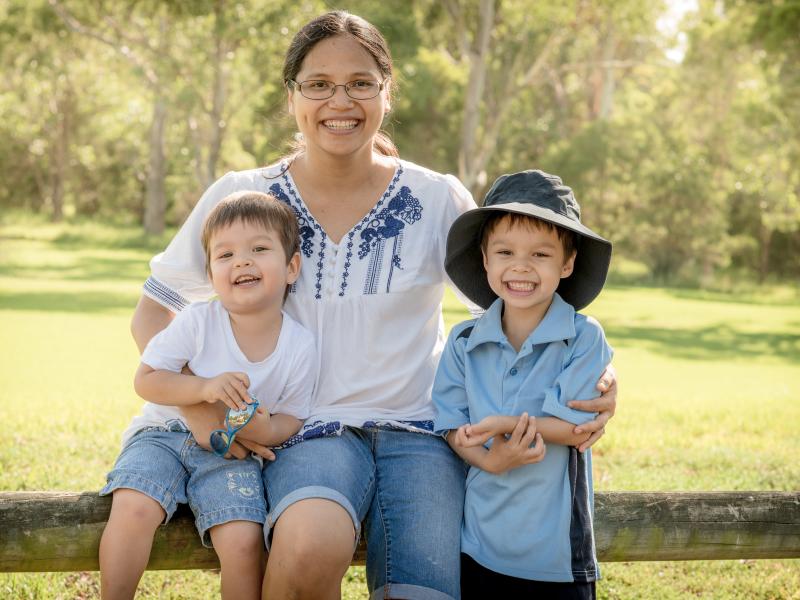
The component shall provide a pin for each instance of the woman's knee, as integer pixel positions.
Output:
(314, 531)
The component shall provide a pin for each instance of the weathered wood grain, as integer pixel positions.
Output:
(60, 531)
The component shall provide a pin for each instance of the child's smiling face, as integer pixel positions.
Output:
(248, 267)
(524, 264)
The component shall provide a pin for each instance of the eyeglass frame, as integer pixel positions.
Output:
(229, 431)
(298, 85)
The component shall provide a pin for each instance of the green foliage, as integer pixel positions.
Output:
(690, 167)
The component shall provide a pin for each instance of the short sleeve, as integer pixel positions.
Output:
(449, 386)
(178, 275)
(297, 396)
(171, 348)
(587, 358)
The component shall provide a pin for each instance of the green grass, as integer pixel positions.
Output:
(709, 400)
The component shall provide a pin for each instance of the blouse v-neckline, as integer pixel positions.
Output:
(295, 191)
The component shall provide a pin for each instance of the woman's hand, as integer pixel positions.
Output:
(256, 448)
(605, 405)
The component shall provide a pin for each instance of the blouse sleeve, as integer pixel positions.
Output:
(178, 275)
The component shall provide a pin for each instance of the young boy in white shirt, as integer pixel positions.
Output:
(503, 383)
(243, 351)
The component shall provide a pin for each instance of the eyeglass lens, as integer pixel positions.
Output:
(318, 89)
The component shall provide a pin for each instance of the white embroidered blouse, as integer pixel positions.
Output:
(373, 301)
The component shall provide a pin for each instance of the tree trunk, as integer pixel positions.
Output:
(155, 195)
(218, 100)
(474, 94)
(64, 103)
(764, 240)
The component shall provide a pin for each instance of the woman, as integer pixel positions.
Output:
(373, 231)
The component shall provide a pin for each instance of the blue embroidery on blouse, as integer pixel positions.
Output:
(309, 222)
(306, 231)
(313, 430)
(383, 220)
(317, 429)
(404, 209)
(426, 426)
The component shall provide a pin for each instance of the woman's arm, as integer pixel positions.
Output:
(270, 430)
(605, 405)
(149, 318)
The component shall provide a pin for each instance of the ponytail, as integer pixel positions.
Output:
(383, 144)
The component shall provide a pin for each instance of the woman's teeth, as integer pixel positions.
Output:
(340, 125)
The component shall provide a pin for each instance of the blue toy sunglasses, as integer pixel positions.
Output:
(221, 439)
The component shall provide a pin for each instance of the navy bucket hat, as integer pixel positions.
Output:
(536, 194)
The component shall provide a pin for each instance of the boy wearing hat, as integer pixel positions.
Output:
(504, 380)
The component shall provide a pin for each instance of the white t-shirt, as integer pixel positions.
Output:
(372, 300)
(202, 336)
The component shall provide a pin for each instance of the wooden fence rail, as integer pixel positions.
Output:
(60, 531)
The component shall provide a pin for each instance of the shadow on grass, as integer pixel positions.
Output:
(708, 343)
(750, 297)
(124, 239)
(94, 269)
(82, 302)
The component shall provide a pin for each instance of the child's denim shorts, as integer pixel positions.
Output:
(171, 468)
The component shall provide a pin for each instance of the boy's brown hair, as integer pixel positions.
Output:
(568, 239)
(254, 208)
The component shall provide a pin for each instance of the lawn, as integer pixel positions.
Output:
(710, 385)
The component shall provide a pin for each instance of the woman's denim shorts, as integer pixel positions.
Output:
(171, 468)
(408, 490)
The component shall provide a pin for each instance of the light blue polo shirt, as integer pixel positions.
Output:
(533, 522)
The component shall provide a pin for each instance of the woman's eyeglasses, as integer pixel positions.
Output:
(319, 89)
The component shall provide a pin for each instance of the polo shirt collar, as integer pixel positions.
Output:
(557, 325)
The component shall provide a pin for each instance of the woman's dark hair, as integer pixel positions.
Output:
(335, 23)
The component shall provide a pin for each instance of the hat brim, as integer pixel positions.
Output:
(464, 259)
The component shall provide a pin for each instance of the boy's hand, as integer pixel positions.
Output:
(516, 451)
(478, 434)
(228, 388)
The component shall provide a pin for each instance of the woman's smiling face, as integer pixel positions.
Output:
(339, 125)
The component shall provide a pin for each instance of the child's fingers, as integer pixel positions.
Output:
(537, 452)
(240, 386)
(233, 398)
(460, 436)
(519, 429)
(243, 377)
(530, 433)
